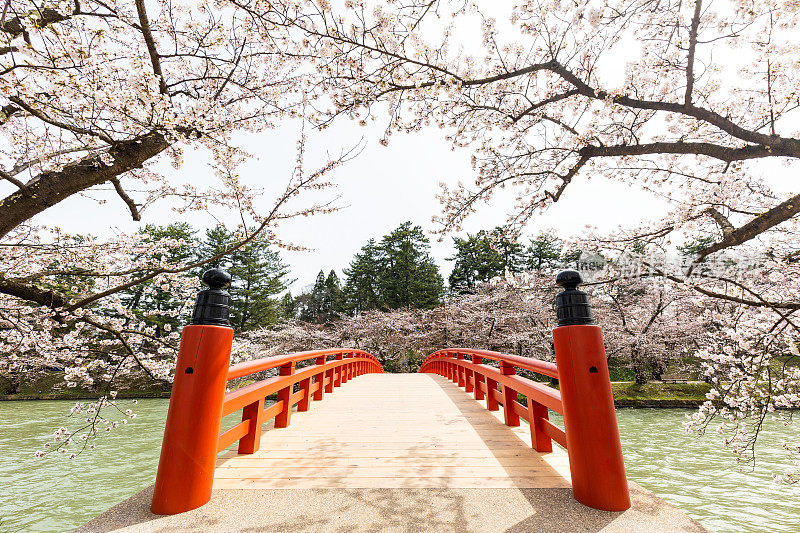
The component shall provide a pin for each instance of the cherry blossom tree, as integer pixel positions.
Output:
(696, 103)
(93, 96)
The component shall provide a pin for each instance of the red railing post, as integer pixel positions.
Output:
(329, 376)
(283, 418)
(320, 380)
(189, 449)
(462, 382)
(253, 412)
(536, 413)
(305, 401)
(590, 422)
(509, 396)
(337, 372)
(491, 401)
(478, 360)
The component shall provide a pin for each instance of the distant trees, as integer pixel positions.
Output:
(361, 288)
(397, 272)
(489, 254)
(258, 273)
(156, 303)
(483, 256)
(545, 251)
(408, 276)
(325, 302)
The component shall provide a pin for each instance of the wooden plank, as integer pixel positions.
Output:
(411, 461)
(369, 483)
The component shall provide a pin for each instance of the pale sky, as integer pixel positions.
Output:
(381, 188)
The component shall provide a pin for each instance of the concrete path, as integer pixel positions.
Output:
(396, 452)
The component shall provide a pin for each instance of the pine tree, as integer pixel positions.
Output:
(288, 306)
(151, 296)
(217, 240)
(258, 275)
(544, 251)
(332, 302)
(481, 257)
(361, 289)
(408, 277)
(397, 272)
(311, 304)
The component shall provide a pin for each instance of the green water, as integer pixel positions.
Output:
(57, 494)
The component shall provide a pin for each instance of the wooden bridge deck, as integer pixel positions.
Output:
(395, 431)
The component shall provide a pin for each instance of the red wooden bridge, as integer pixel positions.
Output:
(391, 430)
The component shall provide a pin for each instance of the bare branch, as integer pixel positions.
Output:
(127, 199)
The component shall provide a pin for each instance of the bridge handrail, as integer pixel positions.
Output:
(483, 381)
(544, 368)
(254, 366)
(314, 381)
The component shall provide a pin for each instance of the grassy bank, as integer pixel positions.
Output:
(51, 386)
(657, 394)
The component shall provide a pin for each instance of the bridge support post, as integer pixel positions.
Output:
(337, 372)
(491, 389)
(283, 418)
(462, 374)
(329, 376)
(590, 422)
(509, 397)
(536, 413)
(305, 401)
(189, 449)
(320, 380)
(478, 378)
(251, 442)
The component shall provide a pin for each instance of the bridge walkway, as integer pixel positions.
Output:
(395, 431)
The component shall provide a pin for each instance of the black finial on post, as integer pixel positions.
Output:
(213, 304)
(572, 305)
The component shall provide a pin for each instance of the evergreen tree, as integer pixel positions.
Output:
(258, 276)
(361, 289)
(311, 304)
(150, 296)
(397, 272)
(217, 240)
(288, 306)
(544, 251)
(481, 257)
(332, 300)
(408, 277)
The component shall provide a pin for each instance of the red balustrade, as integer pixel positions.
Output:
(314, 381)
(584, 398)
(199, 402)
(500, 386)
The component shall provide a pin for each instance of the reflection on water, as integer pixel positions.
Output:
(56, 494)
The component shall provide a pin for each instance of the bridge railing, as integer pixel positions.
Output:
(199, 400)
(313, 382)
(584, 397)
(501, 386)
